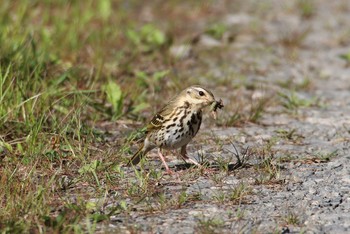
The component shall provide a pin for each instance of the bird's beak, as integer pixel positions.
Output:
(210, 101)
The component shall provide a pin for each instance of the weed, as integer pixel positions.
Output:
(307, 8)
(294, 38)
(326, 156)
(240, 214)
(210, 225)
(241, 157)
(243, 112)
(151, 81)
(235, 195)
(257, 109)
(232, 120)
(162, 200)
(220, 196)
(291, 135)
(305, 84)
(66, 67)
(148, 38)
(285, 158)
(346, 58)
(267, 166)
(91, 168)
(223, 164)
(238, 193)
(182, 198)
(217, 30)
(292, 218)
(115, 97)
(293, 101)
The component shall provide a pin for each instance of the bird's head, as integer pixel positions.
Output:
(198, 96)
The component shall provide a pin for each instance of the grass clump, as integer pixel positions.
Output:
(61, 73)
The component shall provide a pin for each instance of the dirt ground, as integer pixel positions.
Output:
(295, 177)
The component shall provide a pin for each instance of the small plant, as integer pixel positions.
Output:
(269, 170)
(238, 193)
(257, 109)
(294, 38)
(217, 30)
(305, 84)
(223, 164)
(220, 196)
(241, 157)
(327, 156)
(293, 102)
(291, 134)
(210, 225)
(148, 38)
(162, 200)
(151, 81)
(346, 58)
(235, 195)
(292, 218)
(105, 8)
(91, 168)
(286, 134)
(133, 190)
(285, 158)
(115, 97)
(307, 8)
(234, 119)
(56, 223)
(182, 198)
(240, 214)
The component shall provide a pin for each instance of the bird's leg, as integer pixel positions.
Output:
(163, 160)
(184, 156)
(183, 152)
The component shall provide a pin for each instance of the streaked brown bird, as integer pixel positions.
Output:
(176, 124)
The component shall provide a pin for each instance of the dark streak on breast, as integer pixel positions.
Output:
(199, 118)
(182, 119)
(194, 119)
(171, 125)
(190, 126)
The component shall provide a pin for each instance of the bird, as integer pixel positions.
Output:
(175, 124)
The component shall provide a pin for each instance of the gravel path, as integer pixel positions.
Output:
(310, 184)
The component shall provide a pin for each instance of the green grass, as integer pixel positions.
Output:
(77, 79)
(65, 68)
(58, 69)
(307, 8)
(210, 225)
(293, 101)
(292, 218)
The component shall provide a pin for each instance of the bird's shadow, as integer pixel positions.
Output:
(213, 165)
(241, 162)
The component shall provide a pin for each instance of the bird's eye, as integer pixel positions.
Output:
(201, 93)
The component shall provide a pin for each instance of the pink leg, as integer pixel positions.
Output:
(194, 162)
(163, 160)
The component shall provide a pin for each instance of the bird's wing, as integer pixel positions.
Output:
(158, 120)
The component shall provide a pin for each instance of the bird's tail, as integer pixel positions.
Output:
(136, 158)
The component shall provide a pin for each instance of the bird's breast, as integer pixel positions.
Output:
(178, 130)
